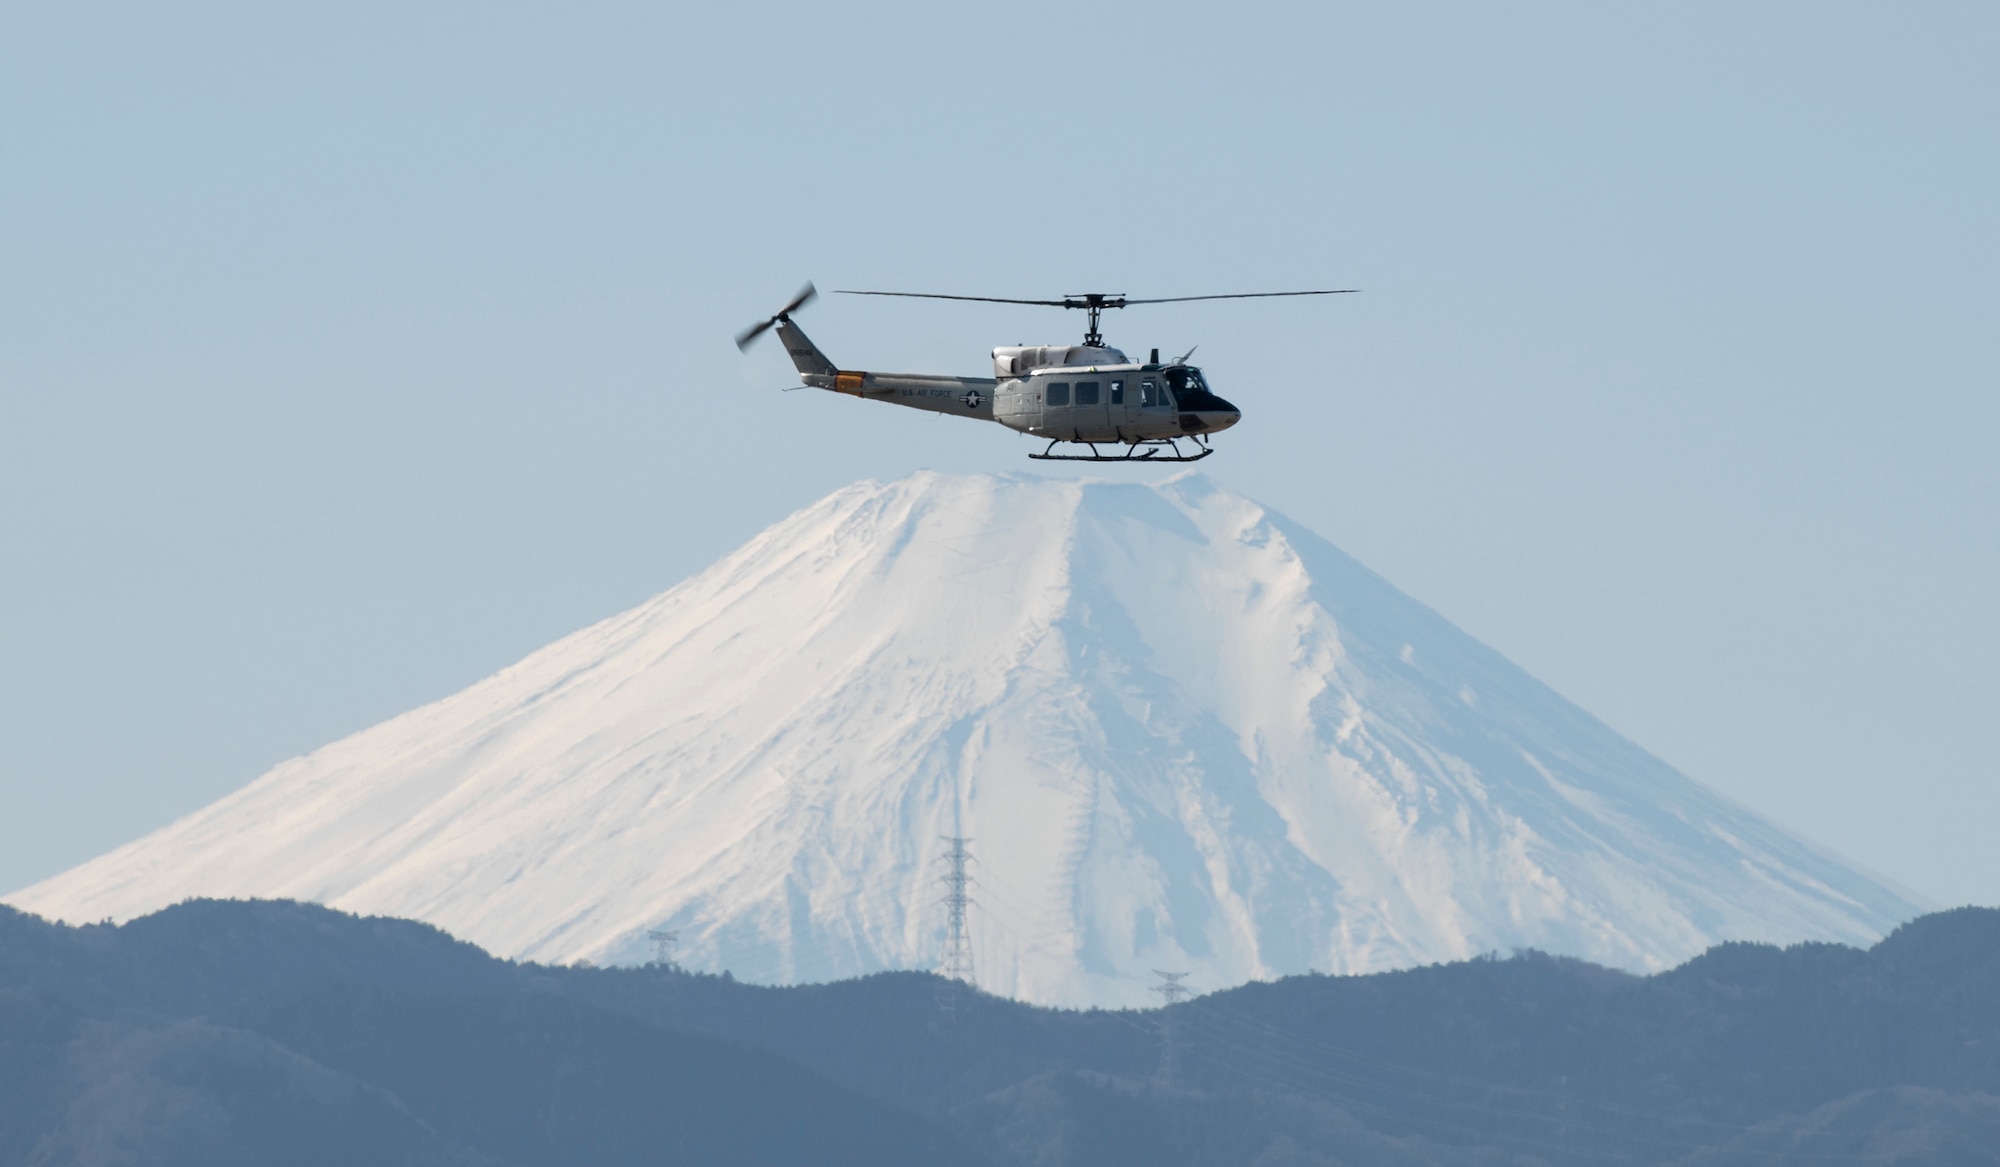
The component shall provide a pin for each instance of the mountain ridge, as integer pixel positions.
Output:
(347, 1038)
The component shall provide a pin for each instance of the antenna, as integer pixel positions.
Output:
(1172, 992)
(663, 950)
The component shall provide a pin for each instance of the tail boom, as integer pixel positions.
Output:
(964, 396)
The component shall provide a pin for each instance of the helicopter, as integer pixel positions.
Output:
(1083, 395)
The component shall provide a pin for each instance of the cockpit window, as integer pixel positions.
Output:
(1191, 390)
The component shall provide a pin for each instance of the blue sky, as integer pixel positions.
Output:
(348, 354)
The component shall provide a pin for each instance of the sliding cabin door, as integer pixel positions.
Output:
(1089, 415)
(1056, 408)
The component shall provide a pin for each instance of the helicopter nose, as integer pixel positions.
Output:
(1220, 416)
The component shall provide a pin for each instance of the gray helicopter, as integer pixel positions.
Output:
(1074, 395)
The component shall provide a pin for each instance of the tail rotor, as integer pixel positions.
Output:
(749, 335)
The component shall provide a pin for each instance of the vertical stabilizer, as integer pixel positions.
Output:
(805, 354)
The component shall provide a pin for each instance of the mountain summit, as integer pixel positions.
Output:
(1179, 731)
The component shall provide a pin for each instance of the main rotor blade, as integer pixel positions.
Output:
(1083, 301)
(1243, 296)
(936, 296)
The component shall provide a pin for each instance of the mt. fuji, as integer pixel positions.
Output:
(1180, 731)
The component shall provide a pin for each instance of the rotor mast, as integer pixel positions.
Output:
(1094, 303)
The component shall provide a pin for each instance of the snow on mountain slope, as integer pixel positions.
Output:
(1180, 731)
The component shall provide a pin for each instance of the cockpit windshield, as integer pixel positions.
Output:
(1190, 389)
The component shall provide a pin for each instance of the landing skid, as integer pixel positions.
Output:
(1153, 452)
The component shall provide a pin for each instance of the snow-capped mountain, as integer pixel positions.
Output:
(1180, 732)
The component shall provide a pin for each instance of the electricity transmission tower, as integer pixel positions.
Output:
(955, 962)
(1172, 992)
(663, 950)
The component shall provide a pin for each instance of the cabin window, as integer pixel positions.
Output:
(1059, 393)
(1118, 393)
(1149, 392)
(1086, 392)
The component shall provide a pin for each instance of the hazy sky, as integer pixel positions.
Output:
(347, 355)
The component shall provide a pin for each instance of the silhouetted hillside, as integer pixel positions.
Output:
(263, 1032)
(259, 1033)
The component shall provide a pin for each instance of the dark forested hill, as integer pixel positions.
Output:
(261, 1032)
